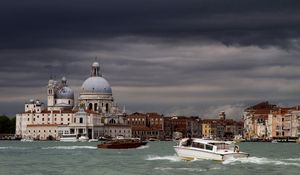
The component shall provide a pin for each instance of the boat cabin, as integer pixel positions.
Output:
(207, 144)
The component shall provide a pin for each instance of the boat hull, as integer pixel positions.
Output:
(121, 145)
(68, 140)
(192, 154)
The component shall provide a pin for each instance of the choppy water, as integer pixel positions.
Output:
(54, 158)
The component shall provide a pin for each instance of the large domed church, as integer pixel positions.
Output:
(94, 115)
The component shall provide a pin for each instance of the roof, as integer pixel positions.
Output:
(43, 125)
(204, 141)
(96, 85)
(262, 106)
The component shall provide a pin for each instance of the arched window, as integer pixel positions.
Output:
(106, 107)
(95, 107)
(90, 106)
(112, 121)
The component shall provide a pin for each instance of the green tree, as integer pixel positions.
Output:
(7, 125)
(12, 128)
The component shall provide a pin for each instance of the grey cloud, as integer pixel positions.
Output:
(37, 24)
(165, 56)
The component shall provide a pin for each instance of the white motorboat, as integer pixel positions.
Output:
(69, 138)
(93, 140)
(83, 139)
(102, 138)
(195, 148)
(28, 139)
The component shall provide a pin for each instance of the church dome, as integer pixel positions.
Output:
(96, 84)
(65, 93)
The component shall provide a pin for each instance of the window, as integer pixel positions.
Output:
(80, 120)
(95, 107)
(106, 107)
(42, 119)
(209, 147)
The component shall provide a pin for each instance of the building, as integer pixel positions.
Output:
(265, 121)
(283, 123)
(255, 120)
(95, 115)
(147, 125)
(181, 126)
(221, 128)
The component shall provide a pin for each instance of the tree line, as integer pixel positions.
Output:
(7, 125)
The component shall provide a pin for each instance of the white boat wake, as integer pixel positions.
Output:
(173, 158)
(143, 147)
(182, 169)
(13, 147)
(70, 147)
(262, 160)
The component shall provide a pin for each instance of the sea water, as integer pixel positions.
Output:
(156, 158)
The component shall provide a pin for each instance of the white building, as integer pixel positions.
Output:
(96, 115)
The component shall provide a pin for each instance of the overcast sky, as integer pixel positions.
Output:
(195, 57)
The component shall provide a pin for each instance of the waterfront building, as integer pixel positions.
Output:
(221, 128)
(95, 115)
(266, 121)
(146, 125)
(283, 123)
(181, 126)
(255, 120)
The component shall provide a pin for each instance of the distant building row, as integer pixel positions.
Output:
(155, 126)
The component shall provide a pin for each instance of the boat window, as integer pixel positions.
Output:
(198, 145)
(222, 146)
(209, 147)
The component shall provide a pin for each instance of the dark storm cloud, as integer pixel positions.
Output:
(185, 57)
(32, 24)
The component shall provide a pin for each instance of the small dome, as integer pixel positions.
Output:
(95, 64)
(63, 79)
(65, 93)
(96, 84)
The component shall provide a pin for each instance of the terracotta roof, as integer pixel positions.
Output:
(141, 128)
(262, 105)
(116, 125)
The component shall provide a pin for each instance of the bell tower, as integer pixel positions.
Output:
(50, 93)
